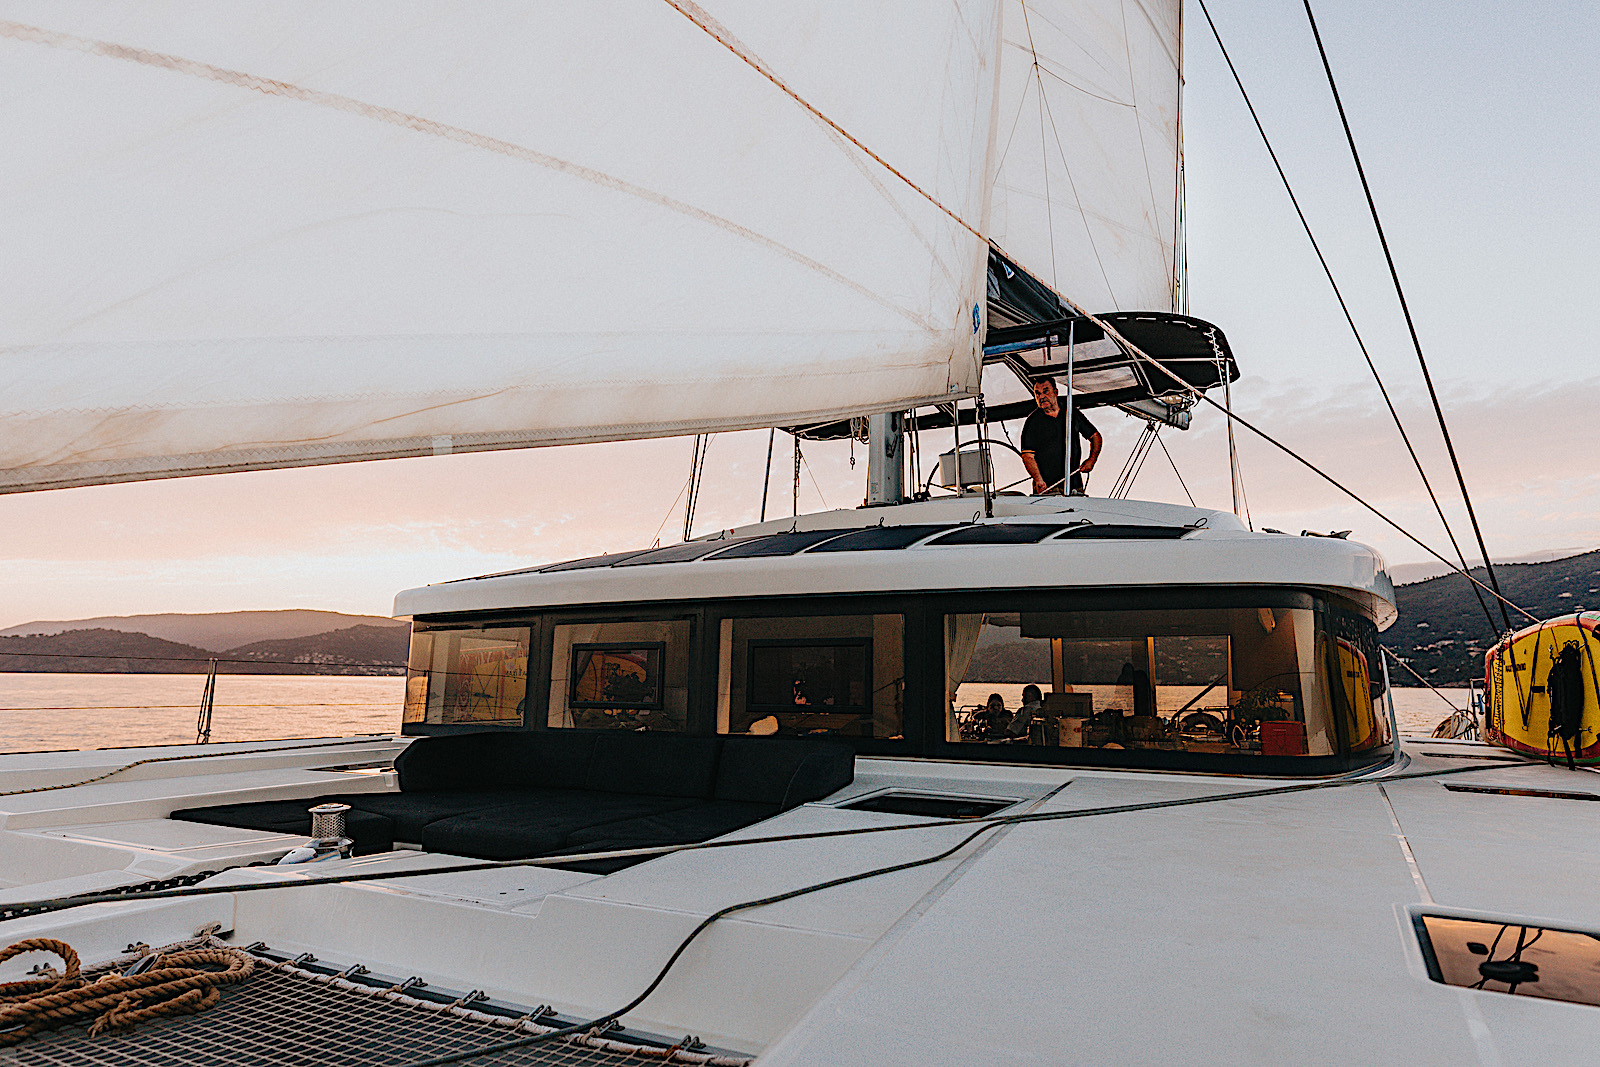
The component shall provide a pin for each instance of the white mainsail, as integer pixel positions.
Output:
(1088, 174)
(291, 233)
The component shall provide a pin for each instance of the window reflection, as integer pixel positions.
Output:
(1243, 681)
(820, 674)
(471, 675)
(620, 675)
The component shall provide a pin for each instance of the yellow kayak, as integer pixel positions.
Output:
(1544, 690)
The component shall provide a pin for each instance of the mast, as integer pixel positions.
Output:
(886, 468)
(1068, 438)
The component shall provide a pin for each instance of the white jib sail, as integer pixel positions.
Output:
(284, 233)
(1087, 182)
(287, 233)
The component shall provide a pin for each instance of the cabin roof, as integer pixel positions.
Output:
(946, 544)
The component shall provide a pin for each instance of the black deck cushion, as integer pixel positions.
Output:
(544, 759)
(654, 764)
(409, 813)
(454, 761)
(701, 822)
(686, 826)
(371, 833)
(496, 759)
(769, 770)
(539, 824)
(518, 794)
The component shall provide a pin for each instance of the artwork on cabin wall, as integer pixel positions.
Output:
(609, 682)
(468, 675)
(489, 685)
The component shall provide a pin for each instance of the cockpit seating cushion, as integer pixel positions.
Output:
(496, 759)
(654, 764)
(539, 823)
(785, 772)
(370, 832)
(701, 822)
(507, 794)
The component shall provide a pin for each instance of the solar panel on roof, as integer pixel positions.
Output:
(783, 544)
(683, 553)
(877, 538)
(592, 561)
(1114, 532)
(1000, 534)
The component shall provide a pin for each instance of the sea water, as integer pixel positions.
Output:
(41, 712)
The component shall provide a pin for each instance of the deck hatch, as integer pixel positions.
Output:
(1114, 532)
(1011, 533)
(592, 561)
(783, 544)
(680, 553)
(879, 538)
(929, 805)
(1515, 958)
(1514, 791)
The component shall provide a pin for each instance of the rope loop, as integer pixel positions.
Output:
(11, 992)
(177, 983)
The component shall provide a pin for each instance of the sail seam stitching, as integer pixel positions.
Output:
(717, 32)
(393, 116)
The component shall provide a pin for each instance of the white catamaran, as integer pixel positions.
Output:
(956, 777)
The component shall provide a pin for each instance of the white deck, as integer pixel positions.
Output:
(1270, 930)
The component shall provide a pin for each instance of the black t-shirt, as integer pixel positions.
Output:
(1043, 436)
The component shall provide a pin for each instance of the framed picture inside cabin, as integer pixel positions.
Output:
(617, 676)
(807, 674)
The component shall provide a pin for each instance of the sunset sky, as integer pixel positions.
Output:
(1477, 122)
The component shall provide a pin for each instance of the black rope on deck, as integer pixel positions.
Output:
(991, 823)
(54, 904)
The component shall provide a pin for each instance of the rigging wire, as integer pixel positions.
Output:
(4, 653)
(1413, 671)
(1200, 394)
(1344, 307)
(1044, 103)
(1135, 462)
(1235, 475)
(655, 542)
(810, 474)
(697, 466)
(766, 483)
(1174, 465)
(1405, 307)
(720, 34)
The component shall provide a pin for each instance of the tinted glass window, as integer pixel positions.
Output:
(819, 674)
(1359, 692)
(620, 675)
(1237, 681)
(468, 675)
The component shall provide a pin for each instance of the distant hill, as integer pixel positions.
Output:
(360, 649)
(1010, 661)
(100, 651)
(355, 647)
(216, 631)
(1411, 573)
(1443, 634)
